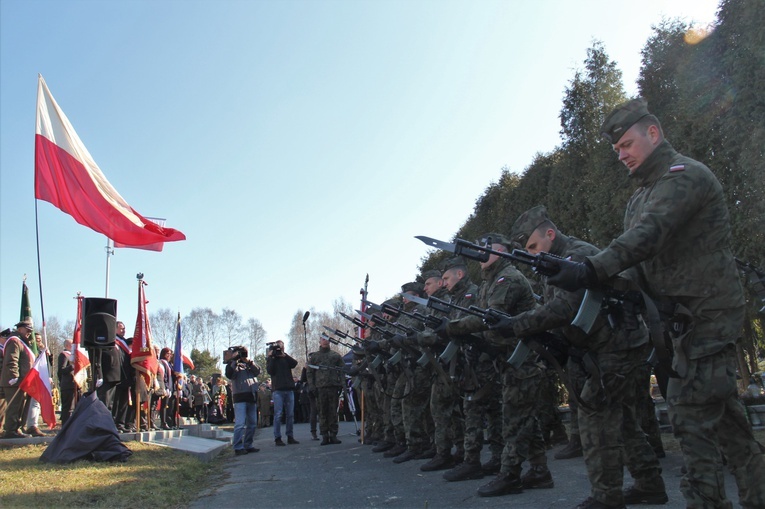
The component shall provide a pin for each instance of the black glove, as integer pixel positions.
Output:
(574, 275)
(398, 340)
(500, 323)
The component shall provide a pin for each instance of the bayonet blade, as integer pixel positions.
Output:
(438, 244)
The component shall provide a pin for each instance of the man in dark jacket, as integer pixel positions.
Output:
(280, 366)
(243, 372)
(66, 383)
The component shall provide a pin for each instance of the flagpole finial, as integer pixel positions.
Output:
(24, 279)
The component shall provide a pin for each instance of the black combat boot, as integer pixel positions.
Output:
(395, 451)
(503, 484)
(572, 450)
(591, 503)
(383, 446)
(409, 455)
(650, 491)
(333, 440)
(325, 440)
(538, 476)
(465, 471)
(493, 466)
(439, 462)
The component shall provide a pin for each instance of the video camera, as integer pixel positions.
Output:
(234, 353)
(274, 348)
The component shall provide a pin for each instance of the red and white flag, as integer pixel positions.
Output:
(67, 176)
(79, 357)
(37, 385)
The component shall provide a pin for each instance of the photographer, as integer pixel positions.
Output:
(280, 366)
(242, 372)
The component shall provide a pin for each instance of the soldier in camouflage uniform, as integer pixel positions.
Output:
(445, 403)
(417, 388)
(608, 423)
(328, 382)
(677, 233)
(505, 289)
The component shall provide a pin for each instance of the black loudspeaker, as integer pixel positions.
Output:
(99, 322)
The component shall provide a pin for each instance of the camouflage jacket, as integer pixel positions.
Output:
(325, 378)
(504, 288)
(560, 308)
(677, 232)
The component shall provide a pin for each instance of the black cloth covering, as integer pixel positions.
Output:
(89, 433)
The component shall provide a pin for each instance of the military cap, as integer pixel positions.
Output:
(622, 118)
(496, 238)
(527, 222)
(6, 333)
(26, 322)
(454, 261)
(412, 287)
(431, 273)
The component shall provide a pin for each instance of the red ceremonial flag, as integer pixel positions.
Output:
(142, 358)
(37, 385)
(67, 176)
(81, 360)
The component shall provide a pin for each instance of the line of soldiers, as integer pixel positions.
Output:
(446, 406)
(675, 251)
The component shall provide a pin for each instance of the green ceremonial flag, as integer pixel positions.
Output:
(26, 312)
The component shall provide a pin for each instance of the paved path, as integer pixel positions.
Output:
(350, 475)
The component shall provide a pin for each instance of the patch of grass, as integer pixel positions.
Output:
(152, 477)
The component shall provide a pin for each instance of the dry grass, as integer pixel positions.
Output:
(152, 477)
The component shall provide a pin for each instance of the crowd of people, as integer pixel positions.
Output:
(450, 367)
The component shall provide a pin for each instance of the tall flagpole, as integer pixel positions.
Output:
(109, 253)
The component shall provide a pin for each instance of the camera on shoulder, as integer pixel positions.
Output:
(234, 353)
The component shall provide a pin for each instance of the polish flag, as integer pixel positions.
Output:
(68, 177)
(37, 385)
(79, 356)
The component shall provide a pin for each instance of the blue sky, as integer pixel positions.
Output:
(299, 145)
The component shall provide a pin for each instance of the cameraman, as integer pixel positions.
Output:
(280, 366)
(242, 372)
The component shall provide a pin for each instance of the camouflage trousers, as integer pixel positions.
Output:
(326, 404)
(577, 376)
(397, 409)
(610, 429)
(386, 403)
(645, 407)
(488, 407)
(547, 406)
(415, 409)
(707, 417)
(447, 416)
(521, 432)
(373, 418)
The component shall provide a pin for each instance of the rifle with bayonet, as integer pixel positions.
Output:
(426, 356)
(620, 302)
